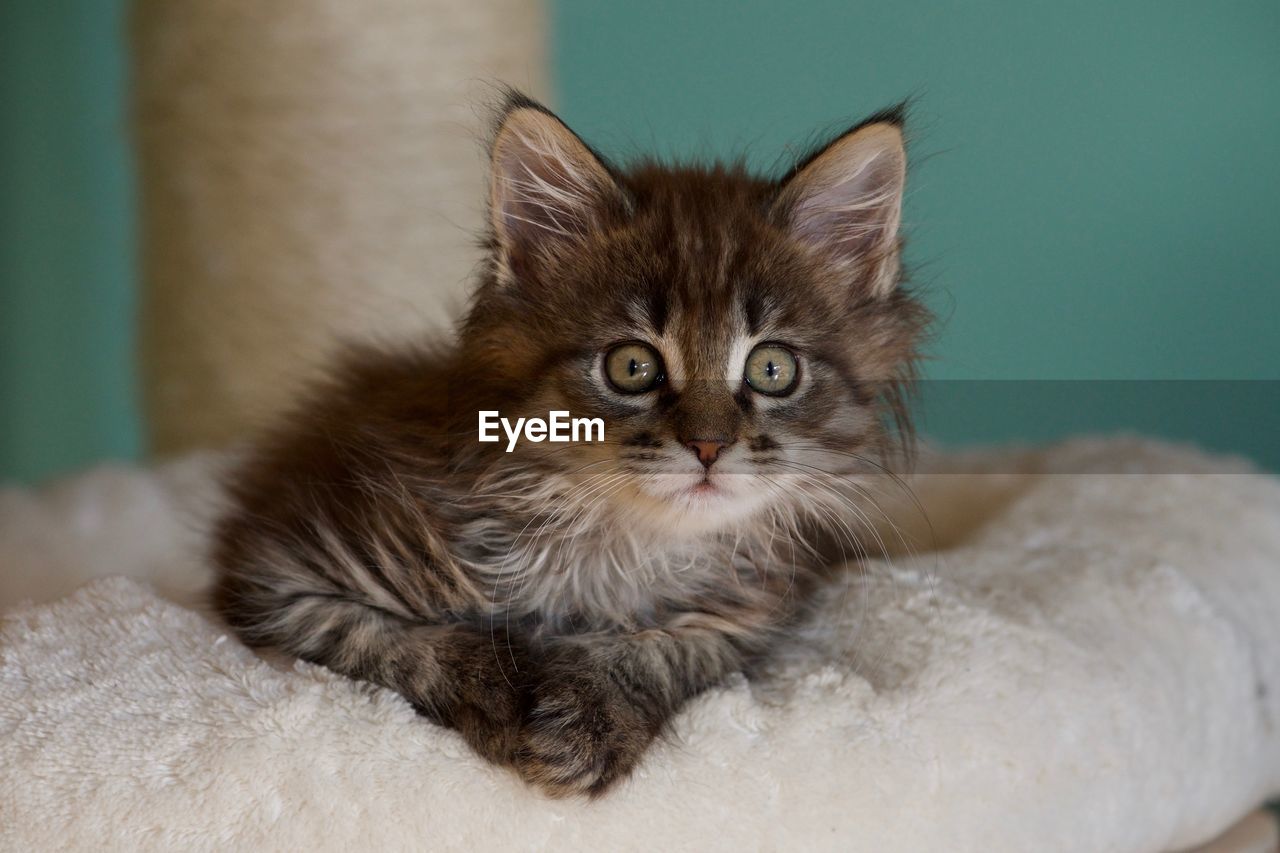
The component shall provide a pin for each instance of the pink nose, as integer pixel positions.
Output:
(708, 451)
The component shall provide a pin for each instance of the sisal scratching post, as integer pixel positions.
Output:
(311, 170)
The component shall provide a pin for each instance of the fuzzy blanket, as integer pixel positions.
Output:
(1082, 654)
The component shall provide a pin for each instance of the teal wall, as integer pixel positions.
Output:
(1096, 191)
(1094, 198)
(66, 239)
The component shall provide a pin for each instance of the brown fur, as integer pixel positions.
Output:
(551, 604)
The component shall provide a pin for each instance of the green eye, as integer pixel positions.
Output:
(772, 370)
(633, 368)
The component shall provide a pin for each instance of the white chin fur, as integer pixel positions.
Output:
(686, 502)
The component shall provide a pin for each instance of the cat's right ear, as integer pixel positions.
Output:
(547, 188)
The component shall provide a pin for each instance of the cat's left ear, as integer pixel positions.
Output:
(547, 188)
(846, 201)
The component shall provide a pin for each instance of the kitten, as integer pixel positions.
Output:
(746, 342)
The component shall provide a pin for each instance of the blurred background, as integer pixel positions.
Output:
(1092, 206)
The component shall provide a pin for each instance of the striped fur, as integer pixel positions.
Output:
(556, 605)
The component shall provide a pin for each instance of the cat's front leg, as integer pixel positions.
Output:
(599, 700)
(472, 678)
(476, 684)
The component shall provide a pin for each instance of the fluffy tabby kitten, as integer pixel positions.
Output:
(746, 342)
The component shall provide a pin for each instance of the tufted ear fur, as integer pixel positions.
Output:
(547, 187)
(845, 201)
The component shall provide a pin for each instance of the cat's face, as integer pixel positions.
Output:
(740, 338)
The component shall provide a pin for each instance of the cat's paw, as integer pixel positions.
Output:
(581, 735)
(483, 692)
(491, 724)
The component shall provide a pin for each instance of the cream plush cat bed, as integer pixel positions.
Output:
(1090, 662)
